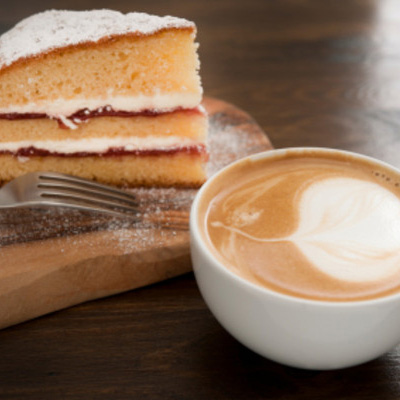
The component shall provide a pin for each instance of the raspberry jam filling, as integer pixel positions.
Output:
(85, 114)
(195, 150)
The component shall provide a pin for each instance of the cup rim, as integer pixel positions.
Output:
(197, 236)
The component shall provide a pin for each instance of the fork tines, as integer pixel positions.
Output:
(82, 192)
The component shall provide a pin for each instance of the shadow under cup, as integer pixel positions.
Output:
(296, 330)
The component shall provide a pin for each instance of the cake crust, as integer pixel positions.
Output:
(171, 170)
(52, 30)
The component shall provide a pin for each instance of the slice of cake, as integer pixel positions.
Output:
(103, 95)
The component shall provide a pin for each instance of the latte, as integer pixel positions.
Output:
(311, 224)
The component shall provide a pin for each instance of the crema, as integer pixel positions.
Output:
(312, 225)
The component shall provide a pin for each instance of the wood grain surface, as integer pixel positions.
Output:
(310, 72)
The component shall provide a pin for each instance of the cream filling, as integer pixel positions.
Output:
(100, 145)
(62, 108)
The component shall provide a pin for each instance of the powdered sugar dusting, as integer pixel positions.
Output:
(49, 30)
(230, 139)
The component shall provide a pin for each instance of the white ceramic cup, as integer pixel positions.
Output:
(290, 330)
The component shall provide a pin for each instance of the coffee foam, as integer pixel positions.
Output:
(340, 224)
(349, 229)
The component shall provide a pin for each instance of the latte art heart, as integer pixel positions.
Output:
(348, 228)
(315, 227)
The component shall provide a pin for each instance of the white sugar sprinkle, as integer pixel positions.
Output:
(49, 30)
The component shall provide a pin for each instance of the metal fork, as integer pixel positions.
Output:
(43, 189)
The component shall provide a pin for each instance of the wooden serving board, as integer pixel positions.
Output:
(55, 258)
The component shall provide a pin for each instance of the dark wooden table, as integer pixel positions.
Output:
(313, 73)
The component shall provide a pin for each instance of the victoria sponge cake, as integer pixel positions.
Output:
(103, 95)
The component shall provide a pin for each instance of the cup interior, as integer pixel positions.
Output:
(212, 188)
